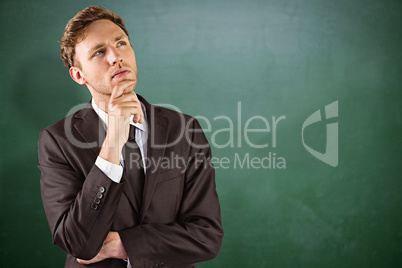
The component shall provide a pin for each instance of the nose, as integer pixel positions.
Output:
(114, 57)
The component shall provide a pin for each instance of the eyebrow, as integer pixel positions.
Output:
(118, 38)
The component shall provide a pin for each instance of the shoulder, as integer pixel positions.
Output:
(172, 115)
(59, 126)
(68, 125)
(180, 129)
(55, 131)
(170, 112)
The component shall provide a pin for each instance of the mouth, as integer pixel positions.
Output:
(120, 73)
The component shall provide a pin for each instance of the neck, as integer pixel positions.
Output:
(102, 103)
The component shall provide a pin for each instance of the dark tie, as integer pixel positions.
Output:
(133, 166)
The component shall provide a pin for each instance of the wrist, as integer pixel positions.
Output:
(119, 251)
(111, 151)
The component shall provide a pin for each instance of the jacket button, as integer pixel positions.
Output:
(94, 206)
(99, 195)
(97, 201)
(102, 189)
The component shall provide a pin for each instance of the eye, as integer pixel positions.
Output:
(122, 43)
(99, 52)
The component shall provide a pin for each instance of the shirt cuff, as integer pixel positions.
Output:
(113, 171)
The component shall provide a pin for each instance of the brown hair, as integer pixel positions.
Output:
(76, 28)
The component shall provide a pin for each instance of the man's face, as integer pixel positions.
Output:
(106, 58)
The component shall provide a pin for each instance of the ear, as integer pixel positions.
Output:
(77, 76)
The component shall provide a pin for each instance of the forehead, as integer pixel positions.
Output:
(99, 32)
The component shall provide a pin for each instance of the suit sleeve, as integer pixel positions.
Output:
(79, 207)
(197, 233)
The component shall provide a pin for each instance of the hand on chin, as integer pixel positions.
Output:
(122, 81)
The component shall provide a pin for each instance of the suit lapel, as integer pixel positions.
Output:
(90, 128)
(157, 135)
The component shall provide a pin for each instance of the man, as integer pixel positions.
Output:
(113, 185)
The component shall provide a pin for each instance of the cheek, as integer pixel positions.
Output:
(97, 71)
(131, 56)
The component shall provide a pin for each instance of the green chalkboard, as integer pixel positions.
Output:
(300, 100)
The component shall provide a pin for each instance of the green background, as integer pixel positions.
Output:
(278, 58)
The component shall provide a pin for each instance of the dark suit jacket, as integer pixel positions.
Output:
(179, 222)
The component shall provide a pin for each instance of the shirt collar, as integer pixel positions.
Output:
(104, 116)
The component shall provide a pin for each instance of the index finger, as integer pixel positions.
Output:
(116, 92)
